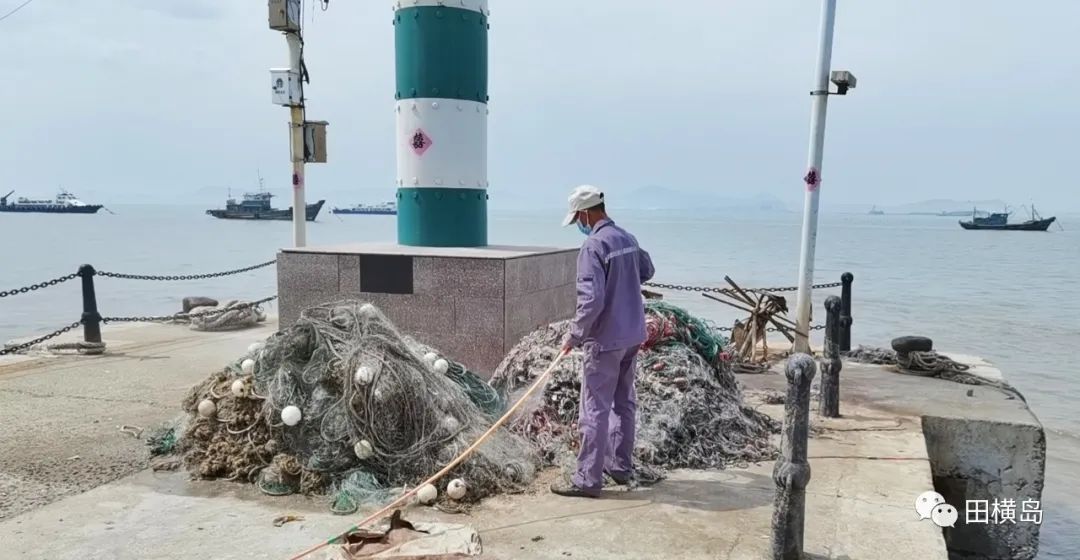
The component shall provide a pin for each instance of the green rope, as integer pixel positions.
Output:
(484, 396)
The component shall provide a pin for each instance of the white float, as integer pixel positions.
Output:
(441, 366)
(291, 415)
(456, 489)
(240, 388)
(363, 449)
(247, 366)
(207, 408)
(364, 375)
(427, 494)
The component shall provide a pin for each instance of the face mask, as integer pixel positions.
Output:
(584, 229)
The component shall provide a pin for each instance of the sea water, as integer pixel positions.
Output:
(1010, 297)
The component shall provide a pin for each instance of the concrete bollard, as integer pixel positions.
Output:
(792, 471)
(831, 364)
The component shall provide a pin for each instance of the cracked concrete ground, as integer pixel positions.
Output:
(64, 469)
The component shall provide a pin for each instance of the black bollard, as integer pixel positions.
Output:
(792, 471)
(845, 311)
(831, 364)
(91, 319)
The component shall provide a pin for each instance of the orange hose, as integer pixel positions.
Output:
(464, 454)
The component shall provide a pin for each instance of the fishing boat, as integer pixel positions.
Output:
(65, 203)
(256, 206)
(1000, 221)
(875, 212)
(384, 209)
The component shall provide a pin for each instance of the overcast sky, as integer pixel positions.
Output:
(157, 99)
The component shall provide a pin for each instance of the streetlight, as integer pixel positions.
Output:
(844, 81)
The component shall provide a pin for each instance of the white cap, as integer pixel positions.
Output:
(583, 198)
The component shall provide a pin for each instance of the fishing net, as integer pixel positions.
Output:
(377, 413)
(690, 409)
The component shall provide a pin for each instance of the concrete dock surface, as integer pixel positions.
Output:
(74, 486)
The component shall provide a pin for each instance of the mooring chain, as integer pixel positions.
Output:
(729, 291)
(178, 316)
(38, 286)
(184, 276)
(20, 347)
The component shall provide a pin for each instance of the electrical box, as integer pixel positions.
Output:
(286, 87)
(315, 141)
(285, 15)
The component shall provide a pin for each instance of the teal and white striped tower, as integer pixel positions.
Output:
(442, 65)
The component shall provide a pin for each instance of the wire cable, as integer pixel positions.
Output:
(17, 8)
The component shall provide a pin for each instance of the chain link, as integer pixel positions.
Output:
(20, 347)
(166, 318)
(184, 277)
(729, 291)
(38, 286)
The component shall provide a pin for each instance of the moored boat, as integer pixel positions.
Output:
(65, 203)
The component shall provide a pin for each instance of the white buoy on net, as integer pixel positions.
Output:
(240, 388)
(363, 449)
(364, 375)
(207, 408)
(456, 489)
(427, 494)
(430, 358)
(247, 366)
(290, 415)
(441, 366)
(255, 348)
(451, 424)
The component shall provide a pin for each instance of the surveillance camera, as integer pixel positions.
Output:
(843, 79)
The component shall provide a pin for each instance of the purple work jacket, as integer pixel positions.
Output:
(610, 270)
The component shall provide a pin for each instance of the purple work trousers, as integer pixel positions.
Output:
(606, 421)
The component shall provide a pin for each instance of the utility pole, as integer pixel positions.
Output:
(307, 140)
(820, 98)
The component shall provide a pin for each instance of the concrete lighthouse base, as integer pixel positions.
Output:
(474, 304)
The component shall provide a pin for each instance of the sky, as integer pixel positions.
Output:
(169, 100)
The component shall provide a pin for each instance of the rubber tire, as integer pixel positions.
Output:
(906, 344)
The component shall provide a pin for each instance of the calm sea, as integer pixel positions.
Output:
(1013, 298)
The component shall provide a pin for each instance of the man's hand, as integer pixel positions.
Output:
(567, 347)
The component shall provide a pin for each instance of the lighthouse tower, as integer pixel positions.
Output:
(441, 49)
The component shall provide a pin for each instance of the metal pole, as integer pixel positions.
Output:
(296, 143)
(91, 319)
(820, 99)
(845, 311)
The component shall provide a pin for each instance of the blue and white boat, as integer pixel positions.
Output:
(385, 209)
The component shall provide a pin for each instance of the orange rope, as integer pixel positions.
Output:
(464, 454)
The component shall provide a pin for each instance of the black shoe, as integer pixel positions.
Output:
(625, 479)
(571, 490)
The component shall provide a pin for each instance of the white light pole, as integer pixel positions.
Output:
(820, 99)
(307, 139)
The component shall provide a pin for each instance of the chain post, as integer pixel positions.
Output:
(91, 319)
(845, 311)
(791, 473)
(829, 404)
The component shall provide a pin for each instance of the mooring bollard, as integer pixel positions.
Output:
(845, 311)
(91, 319)
(831, 364)
(792, 471)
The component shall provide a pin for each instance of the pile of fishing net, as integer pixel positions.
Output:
(343, 404)
(690, 412)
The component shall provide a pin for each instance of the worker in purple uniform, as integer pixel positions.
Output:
(609, 327)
